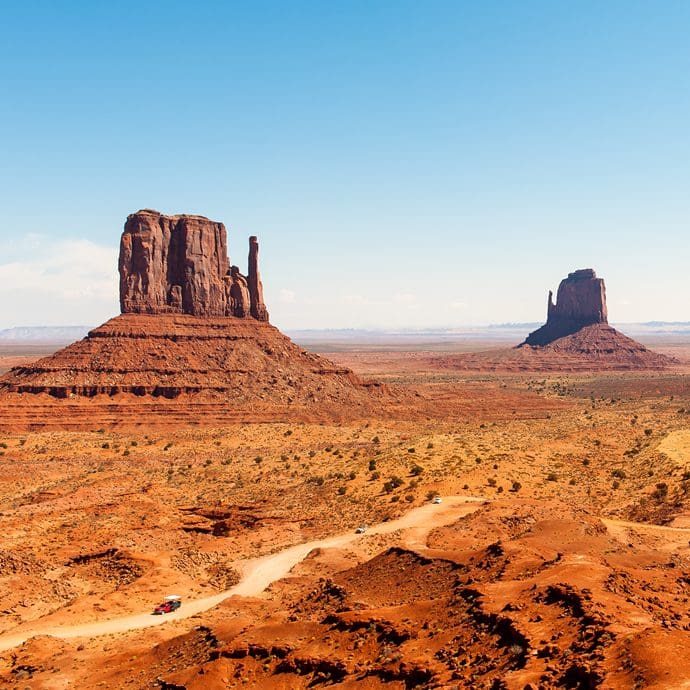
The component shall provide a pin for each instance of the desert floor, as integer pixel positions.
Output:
(569, 568)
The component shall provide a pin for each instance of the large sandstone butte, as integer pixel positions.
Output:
(193, 344)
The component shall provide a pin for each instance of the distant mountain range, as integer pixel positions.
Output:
(56, 334)
(502, 331)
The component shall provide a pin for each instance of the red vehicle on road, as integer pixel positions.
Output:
(171, 603)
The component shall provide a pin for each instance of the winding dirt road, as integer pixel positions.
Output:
(257, 574)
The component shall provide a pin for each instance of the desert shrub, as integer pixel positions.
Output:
(648, 432)
(375, 476)
(661, 492)
(397, 481)
(499, 490)
(551, 477)
(491, 481)
(585, 461)
(416, 470)
(431, 495)
(429, 446)
(376, 440)
(618, 473)
(342, 490)
(409, 498)
(615, 484)
(288, 433)
(372, 465)
(572, 481)
(352, 475)
(516, 487)
(411, 450)
(258, 459)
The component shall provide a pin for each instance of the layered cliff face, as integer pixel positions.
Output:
(580, 302)
(180, 265)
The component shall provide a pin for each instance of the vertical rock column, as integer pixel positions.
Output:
(256, 290)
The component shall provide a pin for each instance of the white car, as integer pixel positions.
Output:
(361, 529)
(437, 500)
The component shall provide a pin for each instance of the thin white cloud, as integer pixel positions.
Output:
(286, 296)
(58, 282)
(405, 299)
(356, 300)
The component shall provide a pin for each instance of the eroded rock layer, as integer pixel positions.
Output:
(167, 355)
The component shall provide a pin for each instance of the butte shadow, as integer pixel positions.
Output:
(193, 344)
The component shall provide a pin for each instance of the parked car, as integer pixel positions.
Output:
(361, 529)
(170, 604)
(437, 500)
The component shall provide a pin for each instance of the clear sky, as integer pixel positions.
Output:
(403, 163)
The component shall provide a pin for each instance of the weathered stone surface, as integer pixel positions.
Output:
(237, 291)
(580, 302)
(179, 264)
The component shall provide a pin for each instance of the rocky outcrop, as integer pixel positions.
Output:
(580, 302)
(180, 265)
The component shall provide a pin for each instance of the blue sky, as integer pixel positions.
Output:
(403, 163)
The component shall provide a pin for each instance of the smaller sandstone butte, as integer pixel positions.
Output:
(180, 265)
(580, 302)
(577, 327)
(575, 337)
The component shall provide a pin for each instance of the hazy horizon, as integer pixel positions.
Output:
(402, 168)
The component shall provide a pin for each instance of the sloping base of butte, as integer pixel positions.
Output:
(177, 368)
(598, 347)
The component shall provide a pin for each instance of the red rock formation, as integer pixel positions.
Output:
(580, 302)
(192, 329)
(256, 289)
(179, 264)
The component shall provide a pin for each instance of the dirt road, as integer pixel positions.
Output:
(257, 574)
